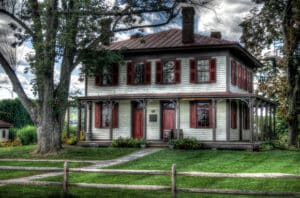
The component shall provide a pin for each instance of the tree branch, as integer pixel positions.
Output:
(28, 104)
(20, 22)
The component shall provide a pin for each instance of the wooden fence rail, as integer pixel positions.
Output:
(173, 173)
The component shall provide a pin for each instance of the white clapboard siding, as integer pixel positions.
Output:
(221, 121)
(153, 128)
(184, 87)
(124, 126)
(246, 134)
(199, 134)
(234, 134)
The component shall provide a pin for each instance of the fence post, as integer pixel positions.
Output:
(173, 181)
(66, 177)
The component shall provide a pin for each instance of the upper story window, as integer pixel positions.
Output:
(244, 77)
(201, 115)
(168, 72)
(233, 72)
(108, 76)
(105, 114)
(203, 70)
(138, 73)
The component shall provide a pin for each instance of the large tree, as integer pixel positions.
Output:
(61, 33)
(276, 24)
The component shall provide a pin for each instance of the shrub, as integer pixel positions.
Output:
(126, 142)
(12, 133)
(72, 140)
(72, 131)
(187, 144)
(15, 142)
(27, 135)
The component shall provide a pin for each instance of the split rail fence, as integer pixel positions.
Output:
(173, 173)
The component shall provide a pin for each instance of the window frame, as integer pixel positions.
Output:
(159, 79)
(194, 105)
(212, 72)
(131, 72)
(99, 115)
(114, 76)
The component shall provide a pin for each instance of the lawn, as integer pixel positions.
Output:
(10, 174)
(208, 161)
(69, 152)
(43, 164)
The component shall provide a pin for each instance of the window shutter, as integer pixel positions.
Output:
(193, 115)
(148, 72)
(177, 71)
(115, 74)
(98, 80)
(115, 116)
(212, 70)
(233, 115)
(130, 73)
(233, 72)
(193, 71)
(98, 115)
(246, 79)
(250, 85)
(159, 72)
(239, 75)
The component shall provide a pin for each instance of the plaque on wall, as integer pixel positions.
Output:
(153, 118)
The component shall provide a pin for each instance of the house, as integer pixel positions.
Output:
(4, 130)
(175, 82)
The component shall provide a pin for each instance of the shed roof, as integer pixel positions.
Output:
(4, 124)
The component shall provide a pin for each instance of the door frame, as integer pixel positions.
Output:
(135, 105)
(162, 115)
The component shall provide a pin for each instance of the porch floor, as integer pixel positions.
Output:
(233, 145)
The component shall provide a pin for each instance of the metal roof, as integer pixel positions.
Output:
(4, 124)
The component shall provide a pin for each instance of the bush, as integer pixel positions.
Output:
(126, 142)
(15, 142)
(72, 131)
(27, 135)
(187, 144)
(12, 133)
(72, 140)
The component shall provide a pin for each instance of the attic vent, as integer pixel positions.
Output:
(216, 35)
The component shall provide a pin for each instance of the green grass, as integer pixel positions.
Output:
(12, 191)
(10, 174)
(219, 161)
(69, 152)
(43, 164)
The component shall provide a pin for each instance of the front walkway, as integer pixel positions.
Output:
(97, 164)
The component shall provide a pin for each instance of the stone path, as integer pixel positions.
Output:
(97, 164)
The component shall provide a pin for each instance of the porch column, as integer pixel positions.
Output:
(261, 122)
(267, 122)
(78, 120)
(111, 107)
(214, 118)
(90, 121)
(177, 113)
(256, 121)
(145, 119)
(251, 119)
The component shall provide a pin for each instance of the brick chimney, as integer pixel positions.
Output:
(106, 33)
(216, 35)
(188, 14)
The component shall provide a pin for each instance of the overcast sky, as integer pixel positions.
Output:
(225, 18)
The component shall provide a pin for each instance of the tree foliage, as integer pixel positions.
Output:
(276, 24)
(64, 33)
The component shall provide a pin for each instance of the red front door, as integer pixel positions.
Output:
(138, 123)
(168, 119)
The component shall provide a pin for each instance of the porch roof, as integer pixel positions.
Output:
(182, 96)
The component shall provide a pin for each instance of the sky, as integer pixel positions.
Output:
(225, 17)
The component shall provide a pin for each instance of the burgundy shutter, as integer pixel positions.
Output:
(159, 72)
(239, 75)
(193, 115)
(210, 115)
(130, 73)
(115, 74)
(233, 72)
(98, 115)
(246, 79)
(148, 72)
(193, 71)
(115, 116)
(250, 82)
(212, 70)
(233, 115)
(177, 71)
(98, 80)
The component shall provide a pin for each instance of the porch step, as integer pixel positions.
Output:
(157, 144)
(94, 143)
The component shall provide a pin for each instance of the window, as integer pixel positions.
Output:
(3, 134)
(233, 72)
(168, 72)
(233, 115)
(239, 76)
(138, 73)
(202, 70)
(201, 115)
(104, 114)
(108, 76)
(250, 82)
(246, 120)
